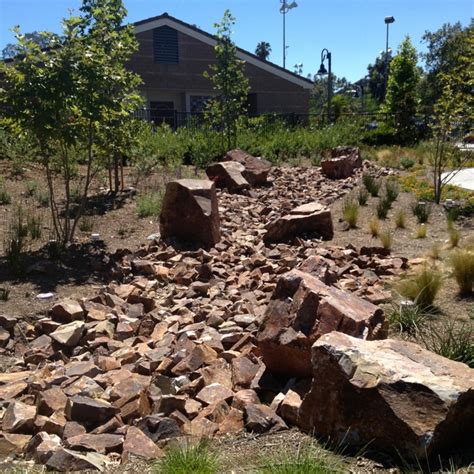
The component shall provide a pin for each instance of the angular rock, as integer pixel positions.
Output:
(89, 410)
(309, 219)
(228, 174)
(50, 401)
(391, 393)
(19, 418)
(342, 163)
(256, 169)
(138, 444)
(159, 428)
(67, 311)
(69, 334)
(42, 446)
(301, 310)
(190, 212)
(262, 419)
(101, 443)
(215, 393)
(67, 460)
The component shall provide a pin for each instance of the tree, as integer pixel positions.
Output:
(377, 73)
(41, 38)
(401, 99)
(263, 50)
(444, 48)
(453, 110)
(229, 82)
(70, 96)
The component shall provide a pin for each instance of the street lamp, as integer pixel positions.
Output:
(325, 54)
(388, 20)
(284, 9)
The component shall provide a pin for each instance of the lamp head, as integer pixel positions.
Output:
(322, 70)
(389, 19)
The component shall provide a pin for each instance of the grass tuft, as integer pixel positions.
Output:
(407, 319)
(421, 210)
(189, 458)
(422, 287)
(374, 227)
(31, 188)
(391, 190)
(149, 205)
(462, 265)
(383, 206)
(5, 197)
(350, 212)
(386, 239)
(420, 232)
(435, 251)
(371, 184)
(86, 224)
(400, 219)
(362, 197)
(454, 237)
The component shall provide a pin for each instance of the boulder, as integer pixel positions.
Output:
(309, 219)
(190, 212)
(69, 334)
(85, 409)
(342, 163)
(392, 394)
(67, 311)
(19, 418)
(256, 169)
(228, 174)
(301, 310)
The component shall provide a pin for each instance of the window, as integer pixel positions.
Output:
(165, 45)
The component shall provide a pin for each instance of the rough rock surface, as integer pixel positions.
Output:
(228, 175)
(302, 309)
(256, 169)
(342, 163)
(391, 393)
(309, 219)
(190, 212)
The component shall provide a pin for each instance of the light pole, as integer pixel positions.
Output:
(388, 20)
(284, 9)
(325, 54)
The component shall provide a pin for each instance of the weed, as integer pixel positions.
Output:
(15, 242)
(371, 184)
(454, 237)
(386, 239)
(43, 198)
(33, 224)
(451, 340)
(4, 294)
(420, 231)
(362, 197)
(391, 190)
(422, 287)
(383, 206)
(31, 188)
(189, 458)
(400, 219)
(407, 318)
(421, 210)
(350, 212)
(462, 265)
(75, 194)
(86, 224)
(374, 227)
(5, 197)
(149, 205)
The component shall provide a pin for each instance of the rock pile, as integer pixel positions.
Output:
(343, 161)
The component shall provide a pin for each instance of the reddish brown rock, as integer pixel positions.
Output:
(228, 174)
(215, 393)
(393, 394)
(19, 418)
(69, 334)
(138, 444)
(67, 460)
(51, 400)
(262, 419)
(301, 310)
(311, 219)
(67, 311)
(42, 446)
(101, 443)
(89, 410)
(342, 163)
(12, 390)
(256, 169)
(190, 212)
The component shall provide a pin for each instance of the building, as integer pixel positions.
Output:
(172, 58)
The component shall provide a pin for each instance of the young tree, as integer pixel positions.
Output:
(453, 111)
(263, 50)
(229, 81)
(69, 94)
(41, 38)
(377, 73)
(401, 99)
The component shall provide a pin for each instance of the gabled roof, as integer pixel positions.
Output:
(197, 33)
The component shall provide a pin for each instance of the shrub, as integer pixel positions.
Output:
(362, 197)
(190, 458)
(386, 239)
(43, 198)
(31, 188)
(454, 237)
(462, 265)
(391, 190)
(420, 231)
(149, 205)
(422, 287)
(421, 210)
(86, 224)
(406, 163)
(33, 224)
(374, 227)
(5, 197)
(400, 219)
(407, 319)
(371, 184)
(4, 294)
(75, 194)
(451, 340)
(383, 206)
(452, 215)
(350, 212)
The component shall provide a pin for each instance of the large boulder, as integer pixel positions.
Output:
(301, 310)
(190, 212)
(228, 174)
(392, 394)
(256, 169)
(343, 161)
(308, 219)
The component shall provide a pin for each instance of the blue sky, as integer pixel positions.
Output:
(353, 30)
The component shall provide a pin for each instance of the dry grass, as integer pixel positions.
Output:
(462, 265)
(374, 227)
(400, 219)
(386, 239)
(420, 232)
(350, 212)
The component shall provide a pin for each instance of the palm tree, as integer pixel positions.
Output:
(263, 50)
